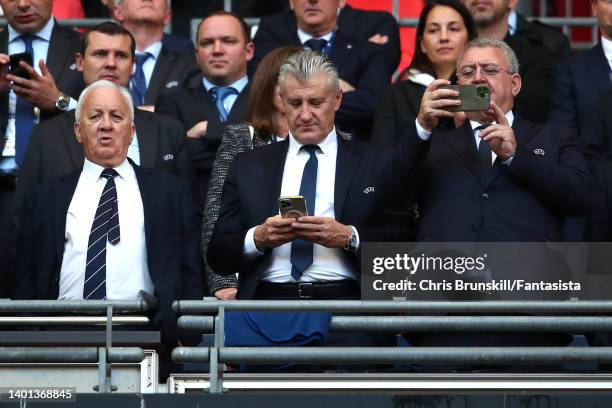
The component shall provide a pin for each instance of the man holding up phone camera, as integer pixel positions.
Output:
(37, 80)
(313, 256)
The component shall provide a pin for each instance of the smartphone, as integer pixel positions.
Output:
(473, 97)
(292, 207)
(15, 69)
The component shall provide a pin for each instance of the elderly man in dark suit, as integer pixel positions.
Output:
(365, 67)
(111, 230)
(580, 81)
(495, 178)
(158, 68)
(314, 256)
(219, 97)
(43, 91)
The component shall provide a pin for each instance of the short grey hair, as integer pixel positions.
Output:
(103, 83)
(305, 65)
(509, 55)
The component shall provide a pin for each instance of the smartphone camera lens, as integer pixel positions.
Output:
(482, 92)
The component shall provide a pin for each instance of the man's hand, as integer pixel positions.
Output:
(199, 130)
(226, 294)
(379, 39)
(324, 231)
(500, 136)
(4, 62)
(345, 86)
(39, 90)
(275, 232)
(433, 104)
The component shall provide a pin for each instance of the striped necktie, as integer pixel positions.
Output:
(105, 227)
(24, 112)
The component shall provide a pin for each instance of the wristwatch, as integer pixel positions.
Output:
(62, 103)
(351, 242)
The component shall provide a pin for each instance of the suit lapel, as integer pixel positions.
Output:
(146, 184)
(238, 111)
(273, 168)
(347, 161)
(341, 51)
(462, 141)
(161, 71)
(146, 133)
(204, 107)
(58, 54)
(4, 92)
(597, 65)
(62, 196)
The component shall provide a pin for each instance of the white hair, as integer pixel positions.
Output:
(103, 83)
(509, 55)
(305, 65)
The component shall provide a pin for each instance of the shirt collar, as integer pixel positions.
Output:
(512, 22)
(44, 34)
(239, 85)
(303, 36)
(607, 48)
(509, 117)
(327, 145)
(153, 49)
(92, 170)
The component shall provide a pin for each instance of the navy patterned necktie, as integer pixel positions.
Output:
(105, 227)
(316, 44)
(24, 113)
(484, 149)
(139, 82)
(219, 94)
(302, 250)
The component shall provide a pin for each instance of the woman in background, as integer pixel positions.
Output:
(266, 123)
(445, 27)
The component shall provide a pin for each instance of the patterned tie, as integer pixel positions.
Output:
(219, 94)
(105, 227)
(24, 113)
(316, 44)
(139, 83)
(301, 250)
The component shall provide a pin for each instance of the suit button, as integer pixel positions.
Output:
(484, 196)
(473, 227)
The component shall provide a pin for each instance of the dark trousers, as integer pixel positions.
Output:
(8, 208)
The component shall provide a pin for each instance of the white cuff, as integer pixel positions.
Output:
(422, 133)
(249, 249)
(72, 104)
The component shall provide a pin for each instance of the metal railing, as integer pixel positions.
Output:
(581, 321)
(103, 356)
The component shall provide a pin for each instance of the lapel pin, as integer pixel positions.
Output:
(168, 157)
(541, 152)
(72, 67)
(369, 190)
(349, 46)
(171, 84)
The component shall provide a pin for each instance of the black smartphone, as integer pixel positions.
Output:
(292, 207)
(16, 69)
(473, 97)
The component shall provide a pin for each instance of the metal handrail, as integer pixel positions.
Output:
(72, 320)
(69, 306)
(56, 355)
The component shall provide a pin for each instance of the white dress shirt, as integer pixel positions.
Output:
(304, 36)
(127, 270)
(328, 264)
(229, 100)
(425, 135)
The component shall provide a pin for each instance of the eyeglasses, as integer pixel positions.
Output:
(486, 70)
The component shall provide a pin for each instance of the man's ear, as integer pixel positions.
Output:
(79, 61)
(117, 14)
(250, 51)
(516, 84)
(77, 132)
(338, 101)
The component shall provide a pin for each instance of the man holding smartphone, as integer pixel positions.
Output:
(41, 90)
(314, 256)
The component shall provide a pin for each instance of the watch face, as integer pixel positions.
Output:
(62, 103)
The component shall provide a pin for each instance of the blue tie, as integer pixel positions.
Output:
(484, 150)
(219, 94)
(301, 250)
(105, 227)
(316, 44)
(24, 113)
(139, 82)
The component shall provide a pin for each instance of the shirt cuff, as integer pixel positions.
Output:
(72, 104)
(422, 133)
(508, 161)
(249, 248)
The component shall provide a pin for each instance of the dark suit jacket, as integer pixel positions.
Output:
(537, 60)
(550, 37)
(170, 230)
(64, 45)
(178, 43)
(527, 201)
(577, 86)
(171, 70)
(250, 196)
(193, 105)
(397, 110)
(362, 64)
